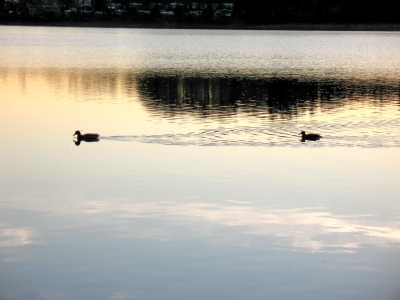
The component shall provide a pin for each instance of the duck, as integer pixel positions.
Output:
(309, 136)
(87, 137)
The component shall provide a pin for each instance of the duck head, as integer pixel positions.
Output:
(78, 133)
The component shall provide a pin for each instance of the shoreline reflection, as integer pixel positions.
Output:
(262, 111)
(283, 97)
(286, 97)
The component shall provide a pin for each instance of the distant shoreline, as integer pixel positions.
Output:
(231, 26)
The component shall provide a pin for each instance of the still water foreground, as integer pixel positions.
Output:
(199, 187)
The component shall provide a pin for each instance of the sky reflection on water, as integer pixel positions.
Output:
(312, 229)
(146, 213)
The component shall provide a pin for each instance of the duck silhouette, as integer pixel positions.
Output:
(309, 136)
(87, 137)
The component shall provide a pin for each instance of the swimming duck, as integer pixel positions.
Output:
(87, 137)
(309, 136)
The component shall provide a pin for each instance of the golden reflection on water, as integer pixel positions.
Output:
(109, 101)
(49, 100)
(119, 102)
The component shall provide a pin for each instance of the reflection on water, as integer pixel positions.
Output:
(115, 220)
(279, 96)
(333, 135)
(249, 53)
(78, 141)
(283, 96)
(312, 229)
(346, 113)
(273, 99)
(14, 237)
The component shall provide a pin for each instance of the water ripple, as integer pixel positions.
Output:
(351, 134)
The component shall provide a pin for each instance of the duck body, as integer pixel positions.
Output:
(309, 136)
(87, 137)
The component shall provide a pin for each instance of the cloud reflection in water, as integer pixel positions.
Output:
(13, 239)
(312, 229)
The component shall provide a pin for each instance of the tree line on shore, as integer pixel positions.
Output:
(319, 11)
(244, 11)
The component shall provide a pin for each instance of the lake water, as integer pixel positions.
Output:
(200, 186)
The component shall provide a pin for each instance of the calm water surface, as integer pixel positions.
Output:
(199, 187)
